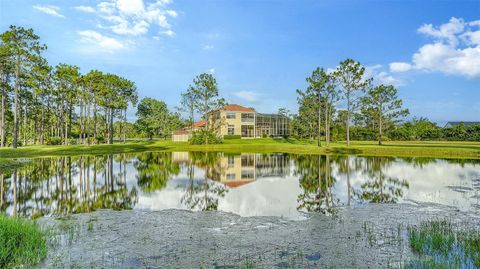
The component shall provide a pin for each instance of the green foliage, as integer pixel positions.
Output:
(201, 137)
(444, 245)
(22, 243)
(54, 141)
(154, 118)
(232, 136)
(382, 106)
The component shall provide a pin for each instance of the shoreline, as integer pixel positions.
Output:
(421, 149)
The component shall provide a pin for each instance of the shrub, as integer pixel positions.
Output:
(201, 137)
(100, 139)
(53, 141)
(22, 243)
(232, 136)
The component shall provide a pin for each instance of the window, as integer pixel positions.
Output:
(247, 130)
(230, 115)
(248, 117)
(248, 174)
(231, 161)
(231, 176)
(248, 160)
(231, 129)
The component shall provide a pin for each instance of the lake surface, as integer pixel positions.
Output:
(248, 184)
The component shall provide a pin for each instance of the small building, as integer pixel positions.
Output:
(452, 124)
(184, 134)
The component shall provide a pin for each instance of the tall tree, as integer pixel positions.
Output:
(350, 75)
(68, 79)
(23, 47)
(317, 84)
(384, 105)
(188, 103)
(208, 98)
(6, 69)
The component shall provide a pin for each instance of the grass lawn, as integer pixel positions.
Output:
(22, 243)
(470, 150)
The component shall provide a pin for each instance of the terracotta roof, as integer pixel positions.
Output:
(237, 183)
(181, 132)
(199, 124)
(234, 107)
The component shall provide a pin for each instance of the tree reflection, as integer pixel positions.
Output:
(380, 188)
(316, 182)
(155, 169)
(64, 185)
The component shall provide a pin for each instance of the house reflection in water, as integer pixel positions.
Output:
(235, 170)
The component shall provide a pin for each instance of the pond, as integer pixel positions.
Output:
(247, 184)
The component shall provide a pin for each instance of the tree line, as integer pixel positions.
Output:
(44, 104)
(375, 106)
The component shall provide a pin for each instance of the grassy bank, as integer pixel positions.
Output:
(441, 244)
(469, 150)
(22, 243)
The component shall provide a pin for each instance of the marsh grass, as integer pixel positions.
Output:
(442, 244)
(22, 243)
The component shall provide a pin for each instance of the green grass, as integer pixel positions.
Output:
(470, 150)
(22, 243)
(441, 244)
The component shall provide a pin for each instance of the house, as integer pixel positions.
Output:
(452, 124)
(244, 122)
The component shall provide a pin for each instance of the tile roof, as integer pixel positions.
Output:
(235, 107)
(181, 132)
(237, 183)
(199, 124)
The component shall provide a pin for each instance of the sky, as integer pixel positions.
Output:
(261, 51)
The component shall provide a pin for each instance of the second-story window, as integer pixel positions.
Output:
(248, 117)
(230, 115)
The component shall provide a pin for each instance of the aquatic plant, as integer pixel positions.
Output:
(22, 243)
(442, 244)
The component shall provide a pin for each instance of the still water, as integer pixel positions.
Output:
(247, 184)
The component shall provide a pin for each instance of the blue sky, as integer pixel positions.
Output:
(261, 50)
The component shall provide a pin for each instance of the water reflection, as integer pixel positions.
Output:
(247, 184)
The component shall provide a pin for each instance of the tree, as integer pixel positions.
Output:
(350, 75)
(207, 95)
(384, 106)
(6, 69)
(154, 119)
(24, 47)
(68, 78)
(188, 104)
(317, 86)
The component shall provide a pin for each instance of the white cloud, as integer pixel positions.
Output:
(101, 42)
(247, 95)
(447, 31)
(86, 9)
(134, 17)
(382, 77)
(50, 10)
(207, 47)
(455, 50)
(400, 67)
(168, 33)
